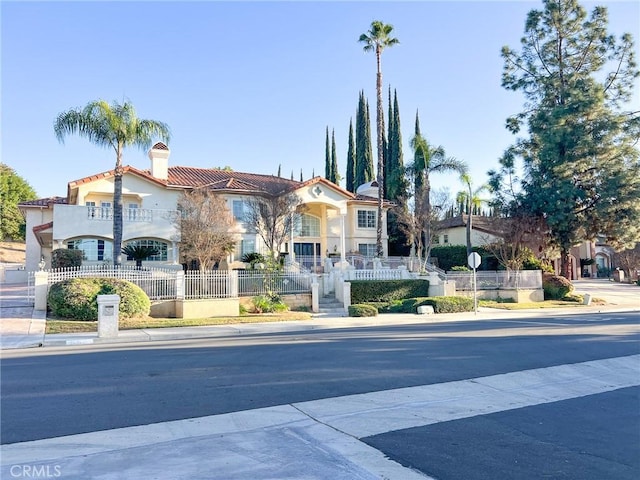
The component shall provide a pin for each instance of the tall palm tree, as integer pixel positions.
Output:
(377, 39)
(113, 126)
(429, 159)
(470, 198)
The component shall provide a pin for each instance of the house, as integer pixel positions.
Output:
(334, 220)
(485, 230)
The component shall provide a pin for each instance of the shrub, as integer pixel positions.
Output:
(66, 258)
(439, 304)
(451, 255)
(269, 304)
(555, 286)
(460, 268)
(77, 298)
(362, 310)
(364, 291)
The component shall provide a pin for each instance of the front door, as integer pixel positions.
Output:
(308, 254)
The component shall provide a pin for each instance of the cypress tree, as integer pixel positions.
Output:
(335, 176)
(351, 161)
(279, 169)
(368, 160)
(388, 151)
(301, 178)
(418, 160)
(327, 157)
(396, 184)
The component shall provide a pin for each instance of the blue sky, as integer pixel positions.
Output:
(253, 85)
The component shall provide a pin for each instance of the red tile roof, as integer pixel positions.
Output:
(44, 226)
(224, 180)
(159, 146)
(192, 177)
(43, 202)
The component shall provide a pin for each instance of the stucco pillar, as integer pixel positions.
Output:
(41, 285)
(343, 243)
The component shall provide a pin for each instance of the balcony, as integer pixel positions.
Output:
(128, 214)
(71, 221)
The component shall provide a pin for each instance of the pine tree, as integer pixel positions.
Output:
(351, 161)
(580, 160)
(335, 176)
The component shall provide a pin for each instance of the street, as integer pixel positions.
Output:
(58, 391)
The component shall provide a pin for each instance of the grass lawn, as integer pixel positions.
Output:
(70, 326)
(534, 305)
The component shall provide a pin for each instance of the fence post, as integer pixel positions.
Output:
(180, 285)
(233, 283)
(315, 297)
(346, 295)
(41, 284)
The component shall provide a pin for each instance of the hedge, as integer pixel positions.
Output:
(364, 291)
(361, 310)
(77, 298)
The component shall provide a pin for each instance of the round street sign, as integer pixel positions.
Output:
(474, 260)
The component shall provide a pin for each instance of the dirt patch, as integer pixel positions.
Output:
(12, 252)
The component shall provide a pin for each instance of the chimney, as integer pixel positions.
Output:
(159, 156)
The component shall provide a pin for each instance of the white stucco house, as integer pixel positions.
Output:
(335, 221)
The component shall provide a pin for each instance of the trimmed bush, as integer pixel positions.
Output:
(439, 304)
(66, 258)
(362, 310)
(365, 291)
(77, 298)
(555, 286)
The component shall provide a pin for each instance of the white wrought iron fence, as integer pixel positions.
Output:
(157, 283)
(252, 283)
(498, 280)
(210, 284)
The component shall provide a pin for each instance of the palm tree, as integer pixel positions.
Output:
(140, 253)
(377, 39)
(113, 126)
(471, 199)
(429, 159)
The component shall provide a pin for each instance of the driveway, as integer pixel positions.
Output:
(20, 326)
(614, 293)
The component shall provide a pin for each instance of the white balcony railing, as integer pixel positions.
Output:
(128, 214)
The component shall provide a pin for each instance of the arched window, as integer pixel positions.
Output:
(307, 226)
(93, 249)
(161, 247)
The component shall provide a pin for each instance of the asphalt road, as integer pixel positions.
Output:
(61, 391)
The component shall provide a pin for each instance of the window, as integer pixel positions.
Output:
(239, 210)
(367, 249)
(93, 249)
(306, 226)
(366, 219)
(436, 239)
(247, 246)
(91, 209)
(106, 212)
(132, 212)
(445, 239)
(162, 248)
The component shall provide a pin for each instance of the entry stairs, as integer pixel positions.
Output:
(329, 306)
